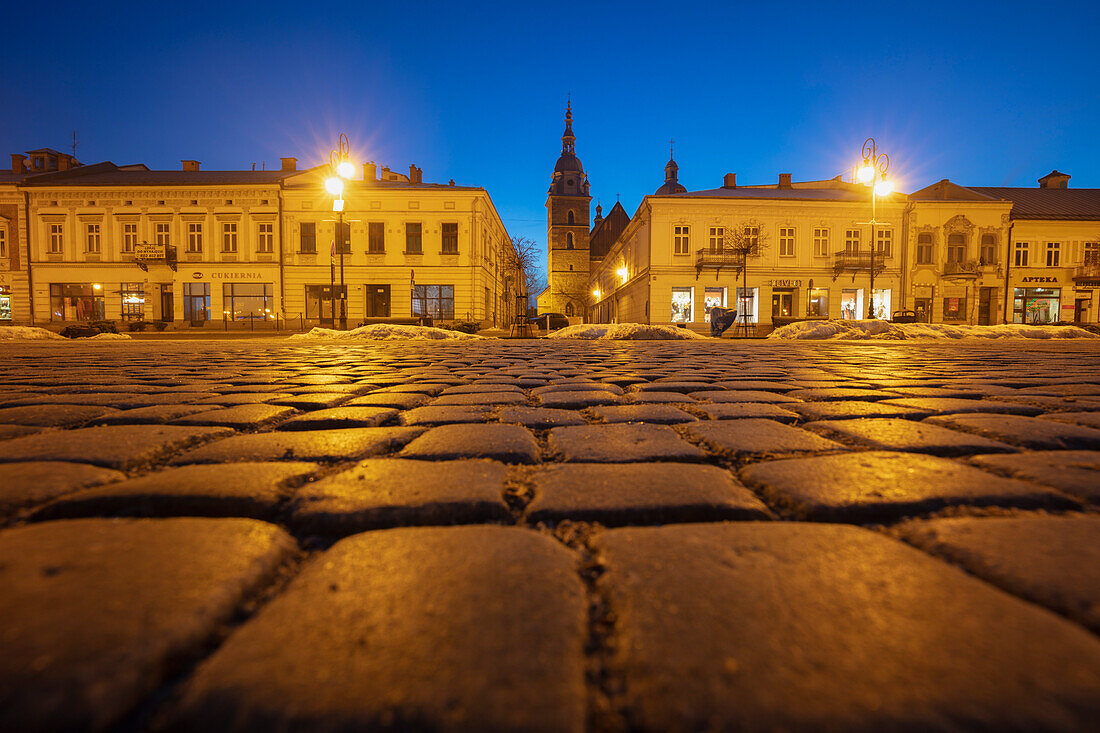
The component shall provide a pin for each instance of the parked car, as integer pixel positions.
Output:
(550, 321)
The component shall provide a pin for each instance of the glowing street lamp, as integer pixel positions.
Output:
(334, 186)
(596, 294)
(342, 168)
(623, 273)
(872, 173)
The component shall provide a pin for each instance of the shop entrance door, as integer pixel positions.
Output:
(166, 304)
(923, 308)
(378, 301)
(782, 304)
(1081, 309)
(985, 299)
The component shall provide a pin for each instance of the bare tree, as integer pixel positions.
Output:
(520, 262)
(744, 240)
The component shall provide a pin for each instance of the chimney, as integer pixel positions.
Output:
(784, 180)
(370, 172)
(412, 173)
(289, 164)
(193, 165)
(1054, 179)
(18, 163)
(729, 181)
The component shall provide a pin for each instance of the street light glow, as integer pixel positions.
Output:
(624, 274)
(866, 172)
(345, 169)
(884, 188)
(596, 293)
(334, 185)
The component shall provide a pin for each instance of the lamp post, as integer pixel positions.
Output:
(342, 168)
(872, 172)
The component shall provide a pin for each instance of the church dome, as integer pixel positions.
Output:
(569, 163)
(671, 185)
(569, 178)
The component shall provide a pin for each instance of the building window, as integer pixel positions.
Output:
(954, 309)
(1054, 253)
(956, 247)
(851, 240)
(681, 240)
(989, 249)
(570, 218)
(247, 300)
(717, 234)
(747, 305)
(5, 302)
(437, 301)
(308, 242)
(413, 239)
(569, 310)
(162, 233)
(924, 249)
(196, 302)
(786, 241)
(821, 242)
(1036, 305)
(265, 238)
(450, 238)
(713, 298)
(569, 240)
(341, 238)
(1021, 254)
(818, 304)
(92, 238)
(57, 238)
(229, 236)
(681, 305)
(1092, 254)
(129, 237)
(194, 237)
(80, 302)
(133, 301)
(3, 242)
(752, 238)
(885, 239)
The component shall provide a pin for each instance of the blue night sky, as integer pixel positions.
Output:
(981, 93)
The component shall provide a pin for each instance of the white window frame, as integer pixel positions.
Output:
(265, 237)
(681, 239)
(129, 236)
(57, 238)
(691, 304)
(194, 237)
(852, 237)
(3, 241)
(717, 235)
(1090, 253)
(1021, 254)
(163, 233)
(931, 249)
(229, 237)
(786, 241)
(1054, 254)
(821, 242)
(92, 240)
(884, 242)
(991, 246)
(706, 309)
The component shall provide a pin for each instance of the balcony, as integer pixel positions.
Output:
(707, 259)
(1089, 271)
(849, 261)
(967, 268)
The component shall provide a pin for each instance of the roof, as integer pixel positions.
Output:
(805, 194)
(109, 174)
(1080, 204)
(945, 190)
(606, 231)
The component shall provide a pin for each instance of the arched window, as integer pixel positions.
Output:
(572, 219)
(569, 309)
(569, 238)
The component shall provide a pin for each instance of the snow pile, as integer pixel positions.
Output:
(111, 337)
(12, 333)
(624, 332)
(384, 332)
(862, 330)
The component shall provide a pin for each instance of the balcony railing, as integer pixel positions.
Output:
(857, 261)
(719, 260)
(968, 268)
(1089, 271)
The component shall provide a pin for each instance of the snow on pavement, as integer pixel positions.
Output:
(12, 333)
(624, 332)
(861, 330)
(384, 332)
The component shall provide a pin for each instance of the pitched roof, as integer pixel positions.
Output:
(806, 194)
(945, 190)
(109, 174)
(1077, 204)
(605, 232)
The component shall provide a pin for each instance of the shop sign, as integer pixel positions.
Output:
(1088, 283)
(236, 276)
(148, 251)
(1039, 279)
(785, 283)
(196, 275)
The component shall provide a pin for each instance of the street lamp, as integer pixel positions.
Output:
(342, 168)
(872, 172)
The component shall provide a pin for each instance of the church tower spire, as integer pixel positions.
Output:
(567, 138)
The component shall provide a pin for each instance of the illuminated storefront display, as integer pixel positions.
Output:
(1036, 305)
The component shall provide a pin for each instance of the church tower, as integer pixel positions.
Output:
(567, 233)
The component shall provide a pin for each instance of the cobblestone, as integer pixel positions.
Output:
(115, 446)
(52, 415)
(241, 417)
(508, 443)
(907, 435)
(1024, 431)
(657, 414)
(341, 417)
(33, 482)
(742, 437)
(947, 405)
(540, 418)
(307, 445)
(741, 410)
(1074, 472)
(621, 444)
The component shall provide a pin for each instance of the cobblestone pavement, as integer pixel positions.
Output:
(535, 535)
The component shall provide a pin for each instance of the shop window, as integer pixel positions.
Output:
(717, 234)
(881, 303)
(818, 304)
(76, 302)
(57, 238)
(786, 241)
(320, 300)
(194, 237)
(1036, 305)
(747, 305)
(229, 237)
(851, 240)
(783, 302)
(413, 241)
(437, 301)
(196, 302)
(450, 238)
(1054, 254)
(162, 235)
(681, 237)
(5, 302)
(133, 301)
(885, 242)
(713, 298)
(265, 238)
(821, 242)
(954, 309)
(682, 305)
(129, 237)
(307, 242)
(956, 247)
(1021, 251)
(851, 304)
(248, 300)
(989, 249)
(924, 248)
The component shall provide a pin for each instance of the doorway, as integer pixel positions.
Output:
(985, 300)
(378, 301)
(782, 303)
(1081, 307)
(923, 308)
(167, 308)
